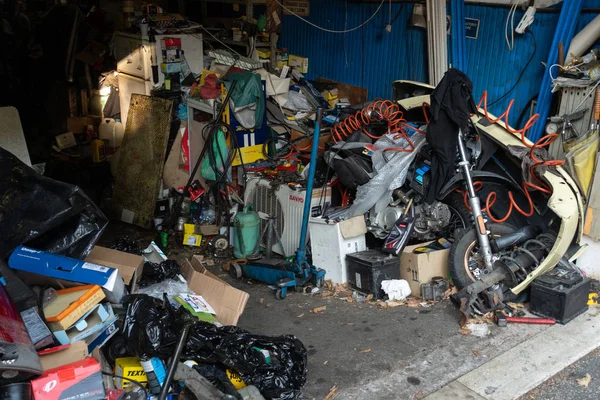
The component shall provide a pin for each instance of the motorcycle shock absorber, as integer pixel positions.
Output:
(480, 228)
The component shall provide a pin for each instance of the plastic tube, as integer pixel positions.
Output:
(584, 40)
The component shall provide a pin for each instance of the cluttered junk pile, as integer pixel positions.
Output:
(274, 178)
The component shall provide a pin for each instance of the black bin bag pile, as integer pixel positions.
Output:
(275, 365)
(45, 214)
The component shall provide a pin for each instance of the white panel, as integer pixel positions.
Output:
(129, 85)
(12, 137)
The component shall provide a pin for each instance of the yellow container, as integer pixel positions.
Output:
(190, 237)
(129, 367)
(235, 379)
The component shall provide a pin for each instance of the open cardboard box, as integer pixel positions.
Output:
(130, 266)
(419, 268)
(227, 301)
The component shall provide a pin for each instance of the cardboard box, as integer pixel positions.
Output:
(62, 355)
(71, 304)
(417, 269)
(190, 236)
(91, 323)
(99, 339)
(308, 141)
(130, 266)
(129, 367)
(80, 380)
(227, 301)
(250, 154)
(67, 272)
(298, 63)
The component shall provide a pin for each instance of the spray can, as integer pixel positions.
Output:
(155, 372)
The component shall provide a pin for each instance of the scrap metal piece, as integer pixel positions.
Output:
(199, 385)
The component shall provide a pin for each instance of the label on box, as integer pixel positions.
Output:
(192, 240)
(35, 326)
(197, 303)
(358, 282)
(95, 267)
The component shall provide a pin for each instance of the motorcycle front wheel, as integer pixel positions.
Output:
(465, 262)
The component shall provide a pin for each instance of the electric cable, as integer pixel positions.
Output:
(511, 17)
(522, 71)
(138, 384)
(331, 30)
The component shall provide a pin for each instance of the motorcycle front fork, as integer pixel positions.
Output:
(482, 233)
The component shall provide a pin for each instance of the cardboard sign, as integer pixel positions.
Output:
(301, 8)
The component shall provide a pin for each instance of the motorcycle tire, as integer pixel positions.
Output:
(456, 203)
(464, 242)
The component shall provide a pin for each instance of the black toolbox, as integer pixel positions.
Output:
(367, 269)
(561, 294)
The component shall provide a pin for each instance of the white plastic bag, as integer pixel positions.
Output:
(396, 289)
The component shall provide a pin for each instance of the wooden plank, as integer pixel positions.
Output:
(354, 94)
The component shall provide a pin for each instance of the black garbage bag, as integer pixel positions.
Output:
(126, 245)
(155, 273)
(44, 213)
(275, 365)
(151, 326)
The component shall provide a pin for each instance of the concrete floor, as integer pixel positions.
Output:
(368, 352)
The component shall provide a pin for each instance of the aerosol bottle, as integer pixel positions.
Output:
(155, 373)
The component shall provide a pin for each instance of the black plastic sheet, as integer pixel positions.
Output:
(44, 213)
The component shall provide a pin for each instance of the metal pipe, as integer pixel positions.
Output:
(174, 361)
(312, 167)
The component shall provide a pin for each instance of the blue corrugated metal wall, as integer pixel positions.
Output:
(368, 57)
(372, 58)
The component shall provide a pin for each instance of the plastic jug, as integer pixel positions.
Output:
(119, 133)
(107, 132)
(247, 232)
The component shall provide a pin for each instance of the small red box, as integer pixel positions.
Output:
(81, 380)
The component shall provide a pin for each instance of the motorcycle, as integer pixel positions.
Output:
(493, 263)
(490, 263)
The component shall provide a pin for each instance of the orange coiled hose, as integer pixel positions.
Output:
(383, 110)
(527, 186)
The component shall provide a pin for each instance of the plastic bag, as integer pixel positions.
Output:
(151, 326)
(155, 273)
(127, 245)
(170, 287)
(275, 365)
(390, 174)
(43, 213)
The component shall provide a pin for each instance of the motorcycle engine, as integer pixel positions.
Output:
(430, 219)
(381, 224)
